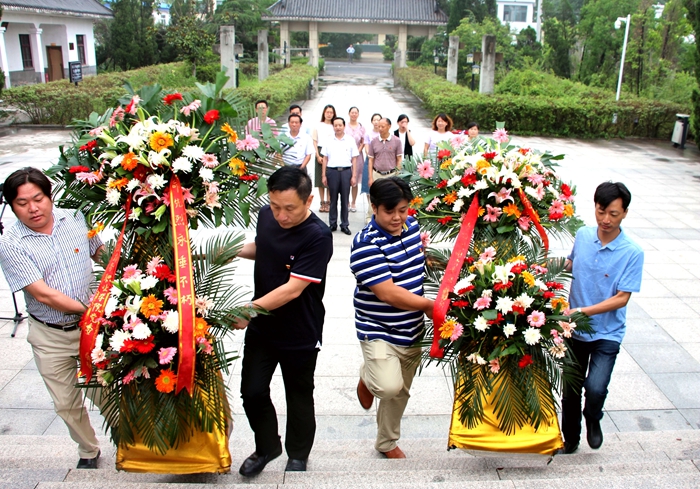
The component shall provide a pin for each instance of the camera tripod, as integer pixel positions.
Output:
(18, 317)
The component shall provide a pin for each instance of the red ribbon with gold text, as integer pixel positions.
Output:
(89, 323)
(185, 287)
(535, 218)
(454, 266)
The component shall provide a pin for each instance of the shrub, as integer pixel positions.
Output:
(586, 114)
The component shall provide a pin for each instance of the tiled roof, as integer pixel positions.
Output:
(87, 8)
(378, 11)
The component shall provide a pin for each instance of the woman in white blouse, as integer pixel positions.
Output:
(441, 127)
(322, 133)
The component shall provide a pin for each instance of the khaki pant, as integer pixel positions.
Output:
(376, 176)
(388, 372)
(53, 351)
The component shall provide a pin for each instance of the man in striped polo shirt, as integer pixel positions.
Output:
(47, 254)
(388, 261)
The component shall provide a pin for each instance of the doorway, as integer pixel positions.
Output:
(55, 56)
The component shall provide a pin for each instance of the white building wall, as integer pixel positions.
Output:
(529, 19)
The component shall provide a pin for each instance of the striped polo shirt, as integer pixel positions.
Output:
(377, 256)
(62, 259)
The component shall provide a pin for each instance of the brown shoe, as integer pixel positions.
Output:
(364, 395)
(395, 453)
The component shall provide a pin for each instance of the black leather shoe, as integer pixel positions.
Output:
(346, 231)
(595, 434)
(333, 228)
(570, 448)
(295, 465)
(89, 463)
(254, 464)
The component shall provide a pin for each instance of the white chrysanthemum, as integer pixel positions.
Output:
(98, 355)
(504, 304)
(182, 164)
(509, 330)
(464, 283)
(118, 338)
(458, 205)
(193, 152)
(111, 306)
(532, 336)
(116, 161)
(452, 181)
(524, 300)
(481, 185)
(156, 181)
(206, 174)
(539, 283)
(148, 282)
(133, 183)
(141, 331)
(113, 195)
(487, 293)
(465, 192)
(171, 324)
(481, 324)
(186, 131)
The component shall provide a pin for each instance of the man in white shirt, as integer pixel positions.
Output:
(300, 153)
(295, 109)
(338, 170)
(351, 53)
(254, 124)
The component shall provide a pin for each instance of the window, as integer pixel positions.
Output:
(514, 13)
(80, 41)
(26, 48)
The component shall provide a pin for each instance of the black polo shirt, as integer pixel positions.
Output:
(302, 252)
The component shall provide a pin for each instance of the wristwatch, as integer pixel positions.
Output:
(252, 313)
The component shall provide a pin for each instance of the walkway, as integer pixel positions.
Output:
(656, 384)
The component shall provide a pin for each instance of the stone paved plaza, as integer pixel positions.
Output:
(656, 382)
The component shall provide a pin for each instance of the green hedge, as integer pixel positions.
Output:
(282, 88)
(585, 114)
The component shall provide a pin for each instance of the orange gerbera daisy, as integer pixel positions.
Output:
(481, 211)
(118, 184)
(93, 232)
(447, 328)
(238, 167)
(482, 166)
(568, 210)
(559, 301)
(160, 140)
(512, 210)
(450, 198)
(446, 164)
(200, 327)
(166, 381)
(129, 161)
(416, 202)
(150, 306)
(232, 134)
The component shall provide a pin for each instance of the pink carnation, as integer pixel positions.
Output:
(247, 144)
(425, 169)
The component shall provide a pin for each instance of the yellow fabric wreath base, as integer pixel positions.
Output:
(487, 437)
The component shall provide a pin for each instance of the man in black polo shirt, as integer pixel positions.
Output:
(291, 252)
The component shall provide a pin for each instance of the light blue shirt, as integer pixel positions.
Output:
(599, 273)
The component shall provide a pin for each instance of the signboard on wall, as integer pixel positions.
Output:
(75, 71)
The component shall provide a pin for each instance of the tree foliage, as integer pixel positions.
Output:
(246, 17)
(191, 40)
(475, 10)
(693, 8)
(128, 40)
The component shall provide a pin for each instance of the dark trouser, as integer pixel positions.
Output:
(339, 183)
(259, 363)
(598, 359)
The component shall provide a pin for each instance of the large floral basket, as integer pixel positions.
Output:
(499, 321)
(152, 169)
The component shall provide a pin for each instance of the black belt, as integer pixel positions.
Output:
(65, 327)
(386, 172)
(339, 168)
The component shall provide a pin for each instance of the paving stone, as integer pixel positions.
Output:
(662, 358)
(656, 420)
(682, 389)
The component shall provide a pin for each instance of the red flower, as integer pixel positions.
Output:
(211, 116)
(490, 156)
(524, 151)
(162, 271)
(102, 365)
(498, 320)
(119, 313)
(554, 285)
(172, 97)
(525, 361)
(444, 153)
(442, 184)
(470, 259)
(566, 190)
(518, 309)
(140, 173)
(461, 303)
(518, 269)
(469, 179)
(466, 289)
(548, 295)
(444, 220)
(90, 146)
(139, 346)
(249, 178)
(555, 216)
(412, 211)
(502, 286)
(78, 169)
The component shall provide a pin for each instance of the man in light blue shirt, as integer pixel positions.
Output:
(607, 267)
(299, 154)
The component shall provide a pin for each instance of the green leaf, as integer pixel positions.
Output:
(505, 229)
(490, 314)
(243, 191)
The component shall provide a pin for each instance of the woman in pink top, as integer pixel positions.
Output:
(355, 130)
